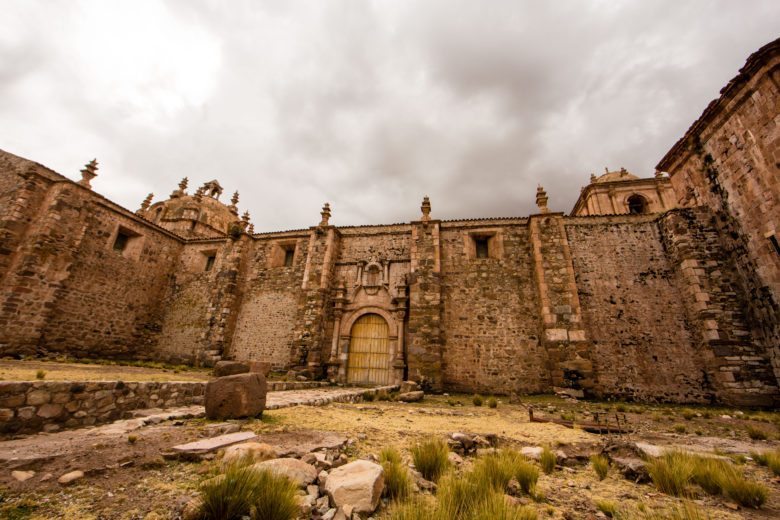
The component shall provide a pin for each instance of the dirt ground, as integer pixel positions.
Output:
(22, 370)
(130, 480)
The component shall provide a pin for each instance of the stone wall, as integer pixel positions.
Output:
(64, 287)
(729, 161)
(490, 311)
(641, 343)
(271, 296)
(29, 407)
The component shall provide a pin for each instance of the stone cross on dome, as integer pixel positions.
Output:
(88, 173)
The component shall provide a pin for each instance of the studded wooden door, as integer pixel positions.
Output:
(369, 352)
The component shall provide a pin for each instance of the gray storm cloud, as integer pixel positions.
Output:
(367, 105)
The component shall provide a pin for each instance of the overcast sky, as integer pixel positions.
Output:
(366, 104)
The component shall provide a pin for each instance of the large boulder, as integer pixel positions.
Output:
(230, 368)
(358, 484)
(234, 397)
(411, 397)
(256, 451)
(261, 367)
(296, 470)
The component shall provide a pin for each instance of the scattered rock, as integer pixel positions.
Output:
(296, 470)
(21, 476)
(70, 478)
(454, 458)
(632, 468)
(359, 484)
(258, 451)
(411, 397)
(532, 452)
(409, 386)
(213, 444)
(191, 510)
(230, 368)
(260, 367)
(330, 515)
(234, 397)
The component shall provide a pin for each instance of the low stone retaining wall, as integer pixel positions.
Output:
(33, 406)
(315, 397)
(278, 386)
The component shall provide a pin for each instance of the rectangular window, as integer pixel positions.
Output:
(289, 256)
(481, 247)
(775, 243)
(210, 262)
(120, 242)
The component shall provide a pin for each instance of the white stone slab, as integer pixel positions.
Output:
(215, 443)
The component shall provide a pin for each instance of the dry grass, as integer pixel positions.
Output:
(430, 458)
(600, 465)
(676, 472)
(548, 460)
(398, 482)
(14, 370)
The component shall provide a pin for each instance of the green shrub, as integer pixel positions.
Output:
(492, 402)
(608, 507)
(600, 465)
(430, 458)
(547, 460)
(477, 400)
(688, 414)
(757, 434)
(244, 490)
(40, 374)
(132, 439)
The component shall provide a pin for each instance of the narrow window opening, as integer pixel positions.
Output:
(637, 205)
(775, 243)
(289, 256)
(210, 262)
(120, 242)
(481, 247)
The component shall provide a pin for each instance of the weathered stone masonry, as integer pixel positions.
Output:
(654, 303)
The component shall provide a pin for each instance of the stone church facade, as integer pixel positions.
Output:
(664, 288)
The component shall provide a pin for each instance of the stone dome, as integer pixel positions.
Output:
(616, 176)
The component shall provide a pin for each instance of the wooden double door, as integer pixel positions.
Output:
(369, 360)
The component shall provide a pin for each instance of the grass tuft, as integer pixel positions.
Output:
(672, 473)
(608, 507)
(548, 460)
(492, 402)
(756, 434)
(244, 490)
(398, 482)
(600, 465)
(40, 374)
(430, 458)
(477, 400)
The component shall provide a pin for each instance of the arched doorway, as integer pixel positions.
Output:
(369, 360)
(637, 205)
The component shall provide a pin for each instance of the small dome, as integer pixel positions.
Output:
(616, 176)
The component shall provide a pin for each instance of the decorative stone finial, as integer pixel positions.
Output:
(244, 224)
(592, 178)
(325, 213)
(147, 202)
(182, 188)
(234, 198)
(198, 194)
(251, 229)
(623, 172)
(88, 173)
(606, 170)
(426, 209)
(541, 199)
